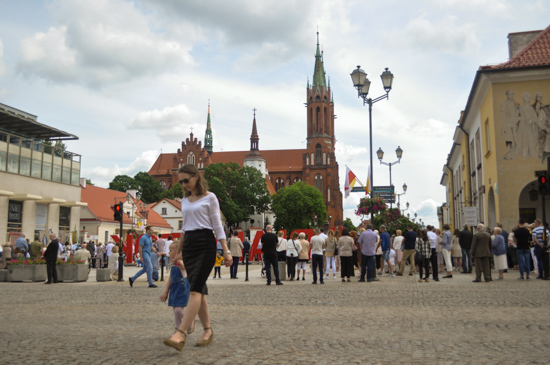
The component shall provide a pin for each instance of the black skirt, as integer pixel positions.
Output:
(198, 253)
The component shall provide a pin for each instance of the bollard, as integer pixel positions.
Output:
(121, 258)
(246, 258)
(162, 258)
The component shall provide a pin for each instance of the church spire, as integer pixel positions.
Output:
(319, 70)
(254, 138)
(208, 133)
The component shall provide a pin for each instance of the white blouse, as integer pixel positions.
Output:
(202, 214)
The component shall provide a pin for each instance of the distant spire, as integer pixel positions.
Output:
(319, 70)
(208, 134)
(254, 138)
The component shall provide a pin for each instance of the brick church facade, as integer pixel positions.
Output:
(316, 165)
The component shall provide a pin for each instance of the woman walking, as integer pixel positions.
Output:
(201, 218)
(456, 250)
(499, 253)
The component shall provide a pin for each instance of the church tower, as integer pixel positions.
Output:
(254, 158)
(321, 168)
(208, 133)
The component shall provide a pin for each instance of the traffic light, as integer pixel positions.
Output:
(543, 183)
(118, 212)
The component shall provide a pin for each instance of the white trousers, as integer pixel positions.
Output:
(331, 262)
(448, 261)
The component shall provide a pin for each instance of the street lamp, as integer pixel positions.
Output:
(362, 84)
(403, 193)
(398, 153)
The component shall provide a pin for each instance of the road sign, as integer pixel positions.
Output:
(385, 192)
(470, 216)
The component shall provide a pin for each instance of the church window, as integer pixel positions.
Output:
(163, 185)
(318, 154)
(307, 160)
(191, 158)
(319, 182)
(312, 159)
(328, 160)
(279, 183)
(296, 180)
(324, 158)
(328, 194)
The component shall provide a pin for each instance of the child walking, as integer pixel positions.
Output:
(218, 265)
(178, 287)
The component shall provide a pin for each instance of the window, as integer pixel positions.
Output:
(319, 183)
(66, 178)
(106, 236)
(180, 225)
(488, 135)
(312, 159)
(36, 168)
(163, 211)
(191, 158)
(13, 163)
(25, 166)
(3, 161)
(56, 176)
(279, 183)
(296, 180)
(318, 154)
(328, 194)
(324, 158)
(46, 170)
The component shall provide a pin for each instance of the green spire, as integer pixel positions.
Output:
(208, 133)
(319, 71)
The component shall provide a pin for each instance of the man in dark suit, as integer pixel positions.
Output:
(269, 247)
(51, 258)
(465, 240)
(481, 250)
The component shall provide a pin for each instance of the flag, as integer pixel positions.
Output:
(351, 179)
(368, 188)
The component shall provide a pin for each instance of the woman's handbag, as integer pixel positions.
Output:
(336, 249)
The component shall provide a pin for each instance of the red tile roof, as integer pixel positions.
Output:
(536, 53)
(101, 201)
(175, 203)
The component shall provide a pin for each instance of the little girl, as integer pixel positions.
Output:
(218, 265)
(178, 287)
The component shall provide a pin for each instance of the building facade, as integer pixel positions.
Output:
(502, 141)
(315, 165)
(39, 182)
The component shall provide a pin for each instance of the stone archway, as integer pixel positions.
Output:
(491, 208)
(529, 209)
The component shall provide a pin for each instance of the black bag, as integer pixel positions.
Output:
(336, 249)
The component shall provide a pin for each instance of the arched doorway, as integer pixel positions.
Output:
(530, 209)
(491, 209)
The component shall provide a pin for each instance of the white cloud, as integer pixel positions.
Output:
(170, 124)
(2, 64)
(111, 42)
(102, 176)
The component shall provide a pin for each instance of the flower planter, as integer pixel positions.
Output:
(20, 272)
(40, 273)
(3, 275)
(65, 272)
(81, 272)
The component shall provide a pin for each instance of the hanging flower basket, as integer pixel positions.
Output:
(369, 206)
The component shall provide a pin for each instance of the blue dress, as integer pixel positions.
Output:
(179, 288)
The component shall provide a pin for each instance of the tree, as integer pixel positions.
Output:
(123, 183)
(241, 191)
(149, 188)
(89, 182)
(299, 206)
(174, 192)
(349, 224)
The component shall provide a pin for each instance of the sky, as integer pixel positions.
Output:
(132, 79)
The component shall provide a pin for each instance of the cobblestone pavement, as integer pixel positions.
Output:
(396, 320)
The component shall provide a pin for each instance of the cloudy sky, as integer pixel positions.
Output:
(131, 78)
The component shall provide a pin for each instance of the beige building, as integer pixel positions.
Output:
(39, 183)
(502, 140)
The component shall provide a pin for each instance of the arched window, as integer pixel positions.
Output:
(279, 183)
(318, 154)
(307, 160)
(191, 158)
(319, 183)
(312, 159)
(324, 158)
(296, 180)
(328, 194)
(328, 160)
(163, 185)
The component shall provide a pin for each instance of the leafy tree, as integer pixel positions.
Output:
(149, 189)
(89, 182)
(349, 225)
(123, 183)
(174, 192)
(241, 190)
(297, 206)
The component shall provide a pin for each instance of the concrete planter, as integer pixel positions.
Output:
(282, 271)
(3, 275)
(81, 272)
(40, 273)
(103, 275)
(20, 272)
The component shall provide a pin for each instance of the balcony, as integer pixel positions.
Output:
(27, 157)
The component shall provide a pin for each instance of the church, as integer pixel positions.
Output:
(315, 165)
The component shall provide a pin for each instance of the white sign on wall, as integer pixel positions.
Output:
(470, 216)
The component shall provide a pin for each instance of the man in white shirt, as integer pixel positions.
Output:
(317, 243)
(169, 241)
(323, 235)
(109, 249)
(432, 237)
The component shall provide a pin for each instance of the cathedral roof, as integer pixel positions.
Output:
(319, 70)
(536, 53)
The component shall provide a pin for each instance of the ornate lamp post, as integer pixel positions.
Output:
(398, 153)
(403, 193)
(362, 84)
